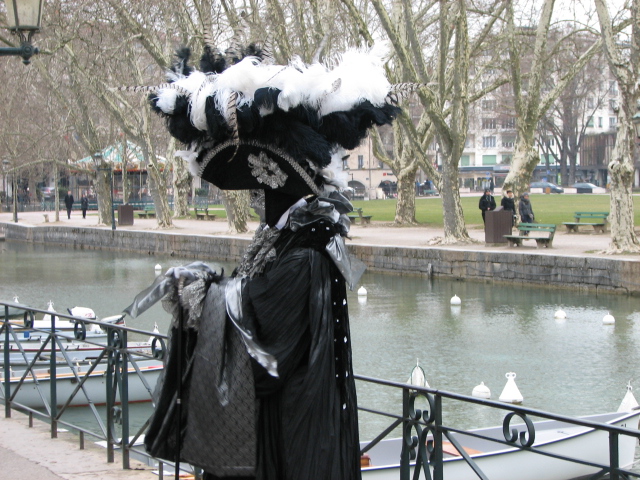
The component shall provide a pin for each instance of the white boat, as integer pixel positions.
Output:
(33, 390)
(500, 462)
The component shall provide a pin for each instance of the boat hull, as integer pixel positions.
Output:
(31, 394)
(503, 463)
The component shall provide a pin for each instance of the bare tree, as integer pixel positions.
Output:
(624, 63)
(528, 72)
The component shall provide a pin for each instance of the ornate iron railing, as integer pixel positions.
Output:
(422, 432)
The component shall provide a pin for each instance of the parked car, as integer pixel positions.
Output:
(544, 185)
(584, 187)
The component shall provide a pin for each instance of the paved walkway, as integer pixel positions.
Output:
(30, 453)
(585, 243)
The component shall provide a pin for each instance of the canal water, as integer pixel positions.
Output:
(576, 367)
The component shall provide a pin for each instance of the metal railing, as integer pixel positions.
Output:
(423, 433)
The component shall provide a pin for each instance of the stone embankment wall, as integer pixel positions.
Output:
(605, 275)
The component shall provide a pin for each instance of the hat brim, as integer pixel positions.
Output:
(248, 165)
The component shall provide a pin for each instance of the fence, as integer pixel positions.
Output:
(426, 448)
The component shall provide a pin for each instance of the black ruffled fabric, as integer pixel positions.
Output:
(307, 420)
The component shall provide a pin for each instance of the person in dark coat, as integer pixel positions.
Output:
(84, 204)
(487, 203)
(68, 202)
(526, 211)
(509, 203)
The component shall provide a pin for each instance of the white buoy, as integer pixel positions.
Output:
(158, 267)
(455, 300)
(510, 393)
(481, 391)
(156, 331)
(47, 316)
(560, 314)
(362, 292)
(418, 378)
(608, 319)
(629, 402)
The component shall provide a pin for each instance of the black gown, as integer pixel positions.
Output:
(307, 418)
(302, 425)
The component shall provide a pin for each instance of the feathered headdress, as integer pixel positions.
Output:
(251, 124)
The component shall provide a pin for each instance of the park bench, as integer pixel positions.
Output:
(526, 229)
(203, 215)
(148, 212)
(363, 218)
(430, 193)
(599, 221)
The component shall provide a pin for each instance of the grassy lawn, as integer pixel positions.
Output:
(553, 208)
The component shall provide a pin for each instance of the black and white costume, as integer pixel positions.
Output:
(269, 384)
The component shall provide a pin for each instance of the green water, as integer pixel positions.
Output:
(577, 366)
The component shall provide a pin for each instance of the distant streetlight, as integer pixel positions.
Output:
(23, 19)
(636, 122)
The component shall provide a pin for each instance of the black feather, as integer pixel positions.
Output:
(211, 61)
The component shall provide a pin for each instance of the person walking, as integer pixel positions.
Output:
(486, 203)
(509, 203)
(525, 209)
(68, 202)
(84, 204)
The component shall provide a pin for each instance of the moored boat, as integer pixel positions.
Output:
(500, 462)
(32, 391)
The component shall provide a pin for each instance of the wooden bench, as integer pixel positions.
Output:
(599, 221)
(526, 228)
(203, 216)
(363, 218)
(147, 212)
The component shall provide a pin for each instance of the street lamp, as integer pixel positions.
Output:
(23, 19)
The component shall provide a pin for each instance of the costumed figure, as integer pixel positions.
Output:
(267, 384)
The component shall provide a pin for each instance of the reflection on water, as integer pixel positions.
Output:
(577, 366)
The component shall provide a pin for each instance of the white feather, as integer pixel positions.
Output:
(190, 156)
(167, 100)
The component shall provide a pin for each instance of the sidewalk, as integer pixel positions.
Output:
(31, 453)
(585, 243)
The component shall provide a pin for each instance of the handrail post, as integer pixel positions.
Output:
(438, 465)
(53, 377)
(7, 365)
(614, 458)
(405, 454)
(124, 401)
(110, 393)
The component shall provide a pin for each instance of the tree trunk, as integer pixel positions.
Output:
(406, 205)
(236, 203)
(159, 194)
(621, 170)
(56, 193)
(455, 230)
(103, 192)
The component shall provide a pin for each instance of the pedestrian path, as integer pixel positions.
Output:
(30, 453)
(377, 233)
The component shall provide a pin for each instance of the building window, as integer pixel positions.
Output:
(380, 164)
(464, 161)
(508, 141)
(488, 123)
(489, 142)
(469, 141)
(509, 123)
(613, 121)
(506, 159)
(360, 161)
(489, 105)
(600, 122)
(589, 102)
(613, 87)
(590, 122)
(489, 160)
(345, 163)
(613, 104)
